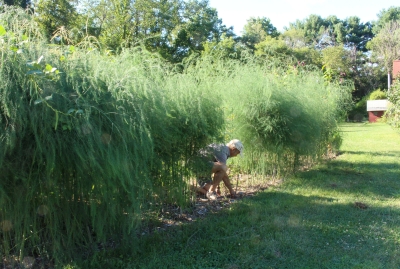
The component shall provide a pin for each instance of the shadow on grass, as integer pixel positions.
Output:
(381, 179)
(278, 230)
(373, 153)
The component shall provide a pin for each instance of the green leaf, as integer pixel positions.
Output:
(40, 59)
(79, 111)
(2, 30)
(49, 97)
(48, 68)
(169, 115)
(70, 111)
(71, 49)
(55, 127)
(24, 37)
(38, 101)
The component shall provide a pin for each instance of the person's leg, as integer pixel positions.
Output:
(219, 171)
(199, 190)
(220, 175)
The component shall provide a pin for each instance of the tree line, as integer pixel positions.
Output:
(346, 49)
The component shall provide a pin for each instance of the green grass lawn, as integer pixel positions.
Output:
(341, 214)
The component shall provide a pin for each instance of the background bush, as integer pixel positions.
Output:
(359, 111)
(377, 95)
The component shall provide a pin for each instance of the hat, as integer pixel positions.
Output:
(238, 145)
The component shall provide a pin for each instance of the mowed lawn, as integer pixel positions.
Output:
(344, 213)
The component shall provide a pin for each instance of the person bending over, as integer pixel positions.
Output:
(216, 156)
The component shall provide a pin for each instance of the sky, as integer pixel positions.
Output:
(282, 12)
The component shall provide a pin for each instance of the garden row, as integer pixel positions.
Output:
(90, 142)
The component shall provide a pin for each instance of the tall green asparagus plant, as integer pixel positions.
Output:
(90, 141)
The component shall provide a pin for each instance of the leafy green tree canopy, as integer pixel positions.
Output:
(173, 28)
(53, 14)
(227, 47)
(21, 3)
(331, 31)
(385, 16)
(256, 30)
(312, 28)
(385, 45)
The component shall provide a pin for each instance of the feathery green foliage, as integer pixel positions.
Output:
(283, 114)
(89, 141)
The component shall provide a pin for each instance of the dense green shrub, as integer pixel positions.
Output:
(377, 95)
(359, 111)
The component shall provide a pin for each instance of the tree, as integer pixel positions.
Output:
(277, 48)
(294, 38)
(256, 30)
(308, 56)
(225, 48)
(313, 28)
(53, 14)
(356, 34)
(336, 61)
(172, 28)
(117, 29)
(385, 45)
(343, 46)
(322, 33)
(385, 16)
(366, 74)
(22, 3)
(272, 48)
(198, 23)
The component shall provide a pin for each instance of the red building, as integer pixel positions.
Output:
(396, 69)
(376, 109)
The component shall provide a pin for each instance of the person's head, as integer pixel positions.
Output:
(235, 147)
